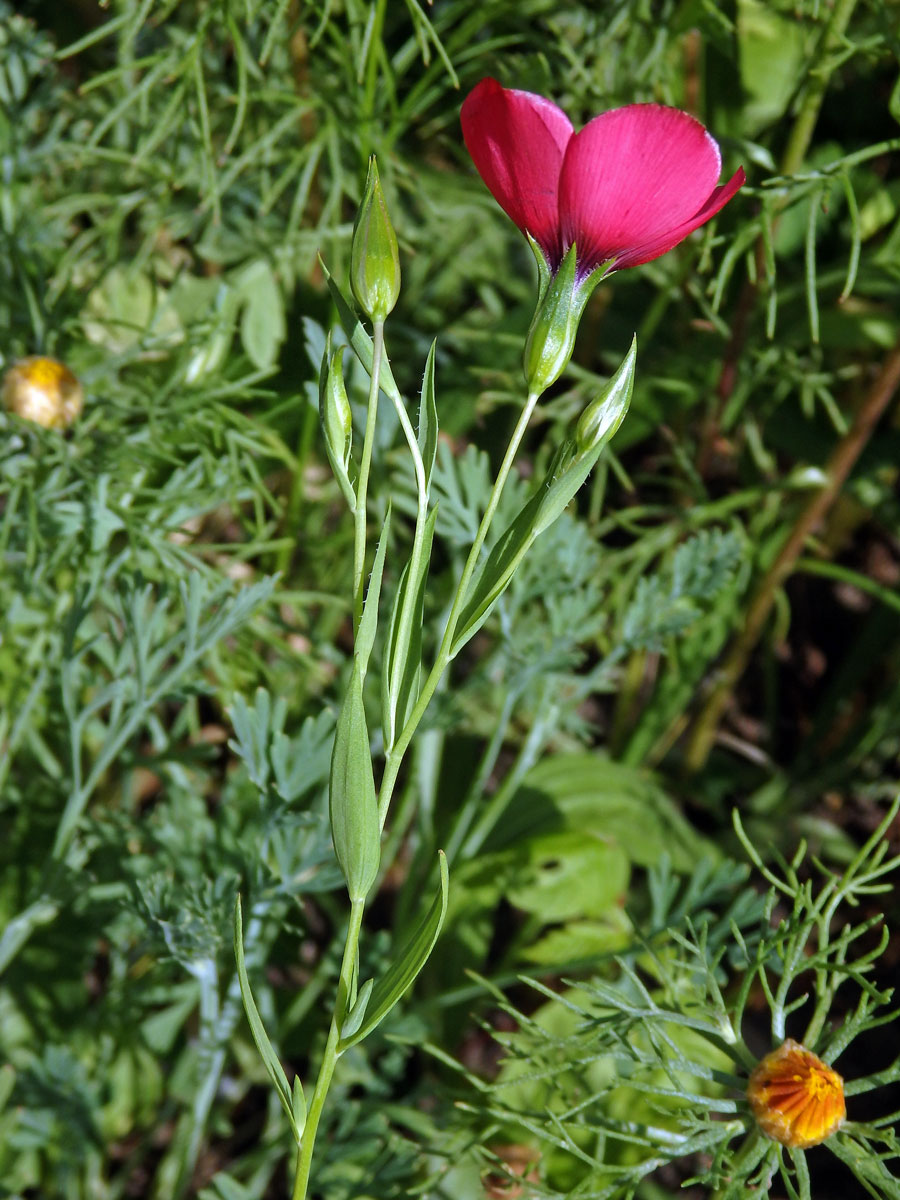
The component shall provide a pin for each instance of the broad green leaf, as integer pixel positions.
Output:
(427, 434)
(358, 338)
(263, 326)
(353, 804)
(273, 1067)
(365, 635)
(406, 966)
(354, 1017)
(403, 650)
(591, 794)
(492, 580)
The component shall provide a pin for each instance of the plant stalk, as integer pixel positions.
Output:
(330, 1055)
(362, 483)
(395, 756)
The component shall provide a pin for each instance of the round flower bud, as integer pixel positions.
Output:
(43, 390)
(796, 1098)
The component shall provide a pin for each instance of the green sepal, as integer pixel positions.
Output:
(427, 433)
(353, 805)
(543, 267)
(568, 470)
(292, 1100)
(561, 301)
(406, 966)
(403, 646)
(358, 338)
(374, 255)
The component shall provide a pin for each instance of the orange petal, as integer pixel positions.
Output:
(796, 1098)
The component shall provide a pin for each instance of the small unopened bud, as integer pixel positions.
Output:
(43, 390)
(337, 418)
(374, 258)
(606, 412)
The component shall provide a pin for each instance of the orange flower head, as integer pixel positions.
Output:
(43, 390)
(796, 1098)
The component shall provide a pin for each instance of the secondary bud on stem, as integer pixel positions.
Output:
(336, 417)
(374, 258)
(605, 414)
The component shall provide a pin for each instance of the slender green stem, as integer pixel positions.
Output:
(395, 756)
(362, 483)
(525, 760)
(330, 1055)
(474, 796)
(407, 613)
(375, 49)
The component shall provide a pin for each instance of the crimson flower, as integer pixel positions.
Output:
(625, 189)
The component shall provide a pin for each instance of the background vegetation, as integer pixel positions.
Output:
(715, 624)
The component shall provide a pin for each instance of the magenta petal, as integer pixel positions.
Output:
(517, 141)
(633, 177)
(653, 249)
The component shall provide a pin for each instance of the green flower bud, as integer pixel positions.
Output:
(374, 259)
(337, 418)
(605, 414)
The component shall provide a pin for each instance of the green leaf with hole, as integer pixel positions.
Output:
(406, 966)
(353, 804)
(293, 1103)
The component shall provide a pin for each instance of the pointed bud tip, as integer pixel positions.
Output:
(374, 255)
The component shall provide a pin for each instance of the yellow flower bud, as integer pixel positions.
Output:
(43, 390)
(796, 1098)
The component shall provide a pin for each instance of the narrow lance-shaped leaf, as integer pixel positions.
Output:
(293, 1104)
(427, 434)
(365, 635)
(406, 966)
(353, 804)
(403, 651)
(355, 1016)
